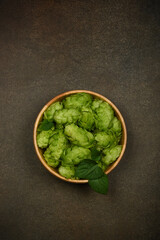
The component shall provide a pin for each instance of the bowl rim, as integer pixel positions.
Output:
(55, 99)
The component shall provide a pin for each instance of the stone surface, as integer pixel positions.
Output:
(46, 48)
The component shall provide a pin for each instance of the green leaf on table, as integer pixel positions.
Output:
(45, 125)
(88, 169)
(99, 185)
(95, 154)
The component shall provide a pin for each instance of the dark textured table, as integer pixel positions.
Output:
(48, 47)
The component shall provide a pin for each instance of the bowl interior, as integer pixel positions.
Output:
(39, 151)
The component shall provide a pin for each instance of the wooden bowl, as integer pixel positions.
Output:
(60, 98)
